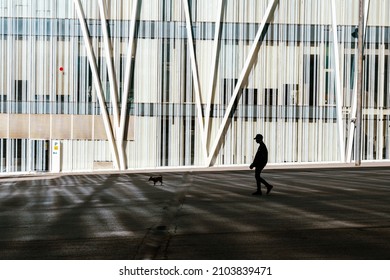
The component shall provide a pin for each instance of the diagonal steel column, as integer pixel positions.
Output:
(97, 82)
(242, 77)
(214, 63)
(358, 131)
(126, 86)
(111, 71)
(352, 126)
(351, 130)
(195, 77)
(338, 93)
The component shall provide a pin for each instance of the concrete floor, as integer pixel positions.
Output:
(318, 213)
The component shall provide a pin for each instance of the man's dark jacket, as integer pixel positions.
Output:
(261, 157)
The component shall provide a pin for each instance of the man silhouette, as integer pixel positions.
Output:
(259, 162)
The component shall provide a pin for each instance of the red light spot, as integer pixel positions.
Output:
(61, 68)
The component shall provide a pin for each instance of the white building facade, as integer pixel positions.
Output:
(113, 84)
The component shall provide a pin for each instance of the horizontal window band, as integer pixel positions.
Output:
(188, 110)
(68, 28)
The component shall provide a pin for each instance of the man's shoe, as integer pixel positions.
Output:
(257, 193)
(269, 188)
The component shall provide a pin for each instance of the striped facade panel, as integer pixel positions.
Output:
(170, 83)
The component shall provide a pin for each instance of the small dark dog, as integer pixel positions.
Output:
(156, 179)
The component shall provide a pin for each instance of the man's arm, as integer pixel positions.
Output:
(255, 160)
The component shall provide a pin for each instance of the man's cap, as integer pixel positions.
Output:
(258, 136)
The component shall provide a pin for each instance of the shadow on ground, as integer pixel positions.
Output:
(311, 214)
